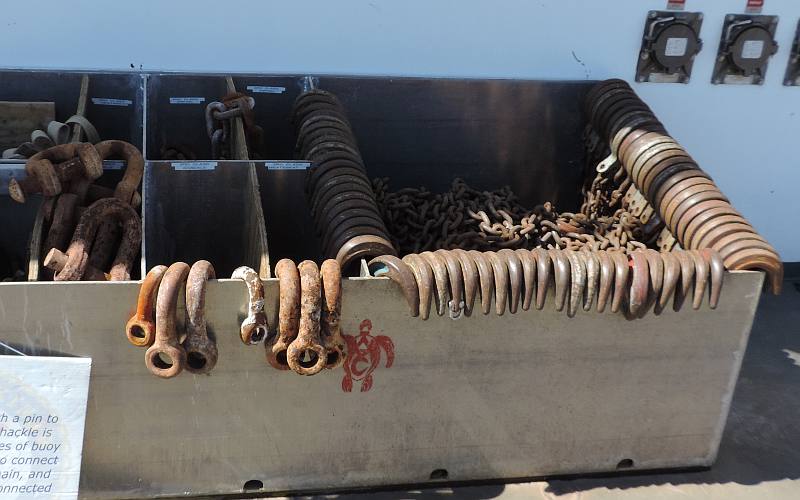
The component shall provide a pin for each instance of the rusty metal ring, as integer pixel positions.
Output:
(606, 283)
(642, 144)
(592, 263)
(134, 167)
(341, 239)
(658, 164)
(423, 274)
(577, 282)
(753, 259)
(306, 354)
(733, 243)
(542, 275)
(670, 176)
(322, 201)
(600, 88)
(330, 321)
(486, 276)
(655, 264)
(708, 235)
(687, 278)
(315, 120)
(166, 358)
(621, 273)
(515, 277)
(640, 283)
(141, 328)
(561, 275)
(201, 350)
(500, 272)
(456, 280)
(672, 274)
(701, 272)
(439, 268)
(634, 129)
(613, 109)
(341, 203)
(680, 188)
(398, 271)
(353, 223)
(602, 101)
(469, 271)
(528, 262)
(617, 119)
(318, 170)
(675, 204)
(288, 314)
(697, 216)
(622, 149)
(717, 268)
(365, 245)
(699, 197)
(651, 156)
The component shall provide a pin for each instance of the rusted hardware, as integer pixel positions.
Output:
(75, 160)
(126, 189)
(62, 224)
(501, 281)
(441, 288)
(655, 265)
(254, 327)
(542, 275)
(306, 354)
(701, 272)
(166, 358)
(672, 274)
(423, 275)
(218, 127)
(515, 277)
(78, 251)
(687, 279)
(486, 279)
(338, 191)
(218, 134)
(621, 273)
(288, 314)
(201, 350)
(577, 281)
(606, 284)
(470, 277)
(561, 275)
(717, 269)
(56, 260)
(399, 272)
(685, 197)
(592, 263)
(332, 338)
(528, 263)
(141, 328)
(639, 283)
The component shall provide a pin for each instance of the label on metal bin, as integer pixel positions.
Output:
(287, 165)
(42, 416)
(104, 101)
(187, 100)
(261, 89)
(194, 165)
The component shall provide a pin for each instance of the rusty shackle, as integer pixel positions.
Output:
(78, 251)
(43, 177)
(332, 339)
(306, 354)
(288, 314)
(166, 358)
(126, 189)
(201, 350)
(141, 328)
(255, 326)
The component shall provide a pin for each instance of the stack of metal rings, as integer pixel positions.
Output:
(686, 198)
(338, 189)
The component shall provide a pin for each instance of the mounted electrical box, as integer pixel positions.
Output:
(792, 77)
(745, 47)
(670, 43)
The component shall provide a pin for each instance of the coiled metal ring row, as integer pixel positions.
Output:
(694, 209)
(452, 280)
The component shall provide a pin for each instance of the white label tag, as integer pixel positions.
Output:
(102, 101)
(113, 164)
(752, 49)
(187, 100)
(194, 165)
(287, 165)
(676, 47)
(261, 89)
(42, 416)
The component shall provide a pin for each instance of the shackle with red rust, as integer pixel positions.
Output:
(74, 161)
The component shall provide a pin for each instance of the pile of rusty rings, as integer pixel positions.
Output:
(64, 174)
(633, 282)
(338, 190)
(218, 128)
(309, 336)
(154, 325)
(686, 198)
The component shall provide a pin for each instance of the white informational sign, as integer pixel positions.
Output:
(676, 47)
(42, 414)
(752, 49)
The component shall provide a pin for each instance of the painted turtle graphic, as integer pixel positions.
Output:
(364, 355)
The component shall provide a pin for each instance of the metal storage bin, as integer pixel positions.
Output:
(202, 210)
(485, 397)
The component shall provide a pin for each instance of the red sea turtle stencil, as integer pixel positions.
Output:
(364, 355)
